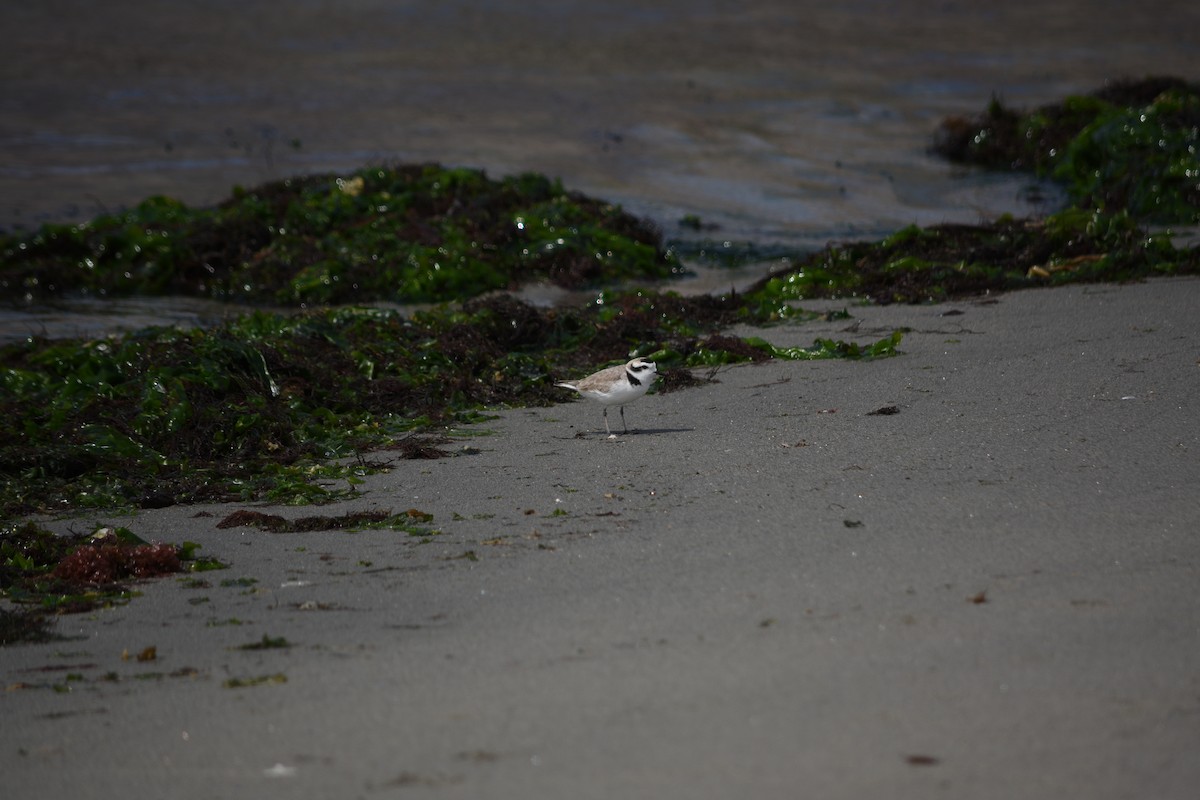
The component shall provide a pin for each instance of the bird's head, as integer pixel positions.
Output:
(642, 368)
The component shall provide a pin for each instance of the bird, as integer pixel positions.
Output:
(616, 386)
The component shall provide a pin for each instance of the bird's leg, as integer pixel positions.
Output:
(623, 419)
(606, 428)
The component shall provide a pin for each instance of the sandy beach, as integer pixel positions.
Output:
(766, 589)
(763, 590)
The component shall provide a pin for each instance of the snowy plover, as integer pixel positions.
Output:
(616, 386)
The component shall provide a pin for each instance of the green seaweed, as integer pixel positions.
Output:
(1156, 177)
(412, 233)
(1130, 147)
(718, 350)
(410, 522)
(944, 261)
(267, 643)
(197, 563)
(279, 406)
(257, 680)
(282, 406)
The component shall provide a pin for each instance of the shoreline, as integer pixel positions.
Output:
(769, 588)
(762, 588)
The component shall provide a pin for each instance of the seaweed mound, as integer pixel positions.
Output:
(408, 234)
(1131, 146)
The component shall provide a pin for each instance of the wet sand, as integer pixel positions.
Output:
(777, 120)
(763, 590)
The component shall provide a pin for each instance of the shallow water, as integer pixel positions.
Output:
(87, 318)
(793, 122)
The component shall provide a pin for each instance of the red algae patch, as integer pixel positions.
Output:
(100, 564)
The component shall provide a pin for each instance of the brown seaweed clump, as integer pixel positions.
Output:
(111, 562)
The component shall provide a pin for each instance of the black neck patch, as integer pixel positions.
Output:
(632, 378)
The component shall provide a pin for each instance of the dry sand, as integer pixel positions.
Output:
(764, 591)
